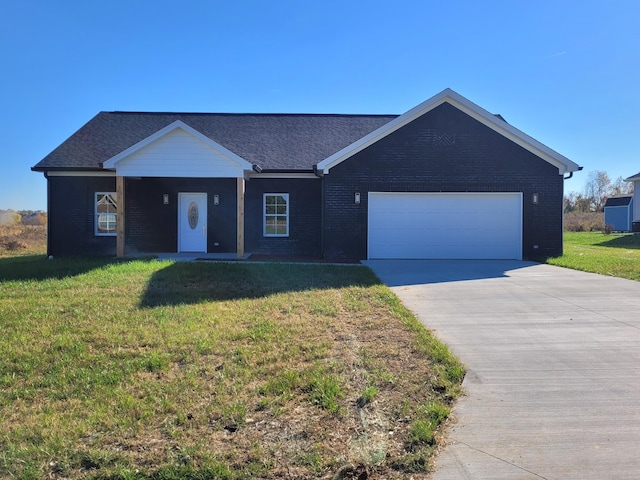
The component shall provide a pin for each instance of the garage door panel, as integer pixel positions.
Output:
(445, 225)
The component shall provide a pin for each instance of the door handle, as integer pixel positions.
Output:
(204, 229)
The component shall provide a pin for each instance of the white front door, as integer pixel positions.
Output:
(192, 222)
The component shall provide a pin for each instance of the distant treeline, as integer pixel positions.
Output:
(23, 217)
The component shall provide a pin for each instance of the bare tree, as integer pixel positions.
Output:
(620, 187)
(577, 202)
(597, 189)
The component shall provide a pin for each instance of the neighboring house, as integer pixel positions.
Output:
(618, 213)
(447, 179)
(635, 179)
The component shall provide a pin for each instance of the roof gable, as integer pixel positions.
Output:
(275, 142)
(495, 122)
(633, 178)
(178, 150)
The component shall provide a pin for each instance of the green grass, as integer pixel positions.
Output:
(160, 370)
(613, 255)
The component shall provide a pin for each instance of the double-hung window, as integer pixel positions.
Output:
(276, 215)
(106, 211)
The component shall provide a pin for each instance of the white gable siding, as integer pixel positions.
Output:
(636, 201)
(178, 154)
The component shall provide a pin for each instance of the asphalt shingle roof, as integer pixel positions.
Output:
(618, 201)
(271, 141)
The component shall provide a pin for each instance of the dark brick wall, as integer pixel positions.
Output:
(304, 217)
(71, 216)
(152, 226)
(443, 151)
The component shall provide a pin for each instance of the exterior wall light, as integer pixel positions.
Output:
(165, 198)
(356, 198)
(535, 198)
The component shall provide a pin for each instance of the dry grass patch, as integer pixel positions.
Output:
(22, 240)
(583, 221)
(138, 370)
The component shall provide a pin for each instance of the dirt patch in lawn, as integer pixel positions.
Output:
(226, 371)
(299, 259)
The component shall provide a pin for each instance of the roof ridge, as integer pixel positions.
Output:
(123, 112)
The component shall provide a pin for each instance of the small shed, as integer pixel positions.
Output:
(618, 212)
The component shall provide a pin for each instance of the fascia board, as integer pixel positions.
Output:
(283, 175)
(634, 178)
(81, 173)
(483, 116)
(111, 163)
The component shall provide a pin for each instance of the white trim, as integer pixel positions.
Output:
(111, 173)
(635, 178)
(113, 195)
(563, 164)
(80, 174)
(636, 201)
(626, 207)
(619, 206)
(264, 214)
(457, 194)
(178, 124)
(284, 175)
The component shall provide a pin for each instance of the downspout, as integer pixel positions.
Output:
(571, 174)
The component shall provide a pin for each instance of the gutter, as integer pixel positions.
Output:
(66, 169)
(571, 173)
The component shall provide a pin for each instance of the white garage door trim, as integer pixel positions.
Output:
(465, 225)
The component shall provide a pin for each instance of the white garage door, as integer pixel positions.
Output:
(445, 225)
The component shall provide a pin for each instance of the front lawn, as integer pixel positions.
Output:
(159, 370)
(615, 255)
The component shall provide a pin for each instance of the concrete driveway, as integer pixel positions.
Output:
(553, 359)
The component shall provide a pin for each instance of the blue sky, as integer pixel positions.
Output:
(565, 72)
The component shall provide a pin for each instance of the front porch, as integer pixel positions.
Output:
(181, 216)
(178, 154)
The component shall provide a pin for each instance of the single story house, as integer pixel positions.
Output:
(447, 179)
(635, 221)
(618, 213)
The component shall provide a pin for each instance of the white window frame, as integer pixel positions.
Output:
(276, 215)
(96, 215)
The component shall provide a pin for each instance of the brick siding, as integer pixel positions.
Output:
(304, 217)
(445, 150)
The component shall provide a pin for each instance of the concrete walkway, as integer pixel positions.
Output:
(553, 359)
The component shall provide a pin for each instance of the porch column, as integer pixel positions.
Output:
(120, 216)
(240, 216)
